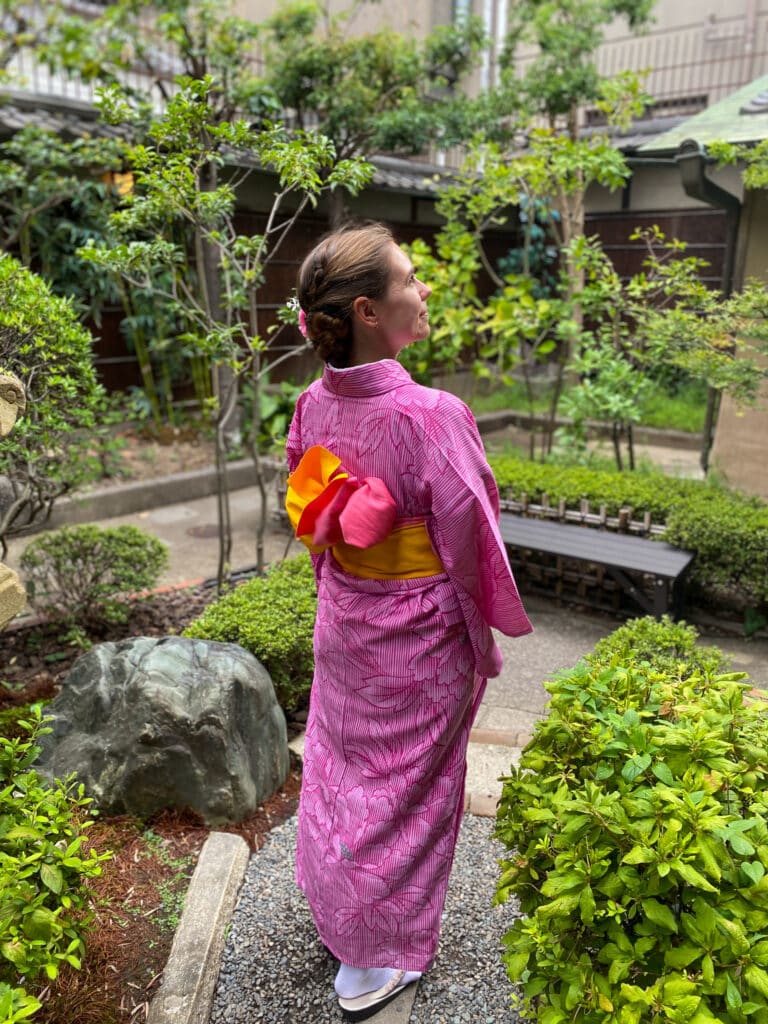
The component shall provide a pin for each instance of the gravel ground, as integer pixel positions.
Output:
(275, 970)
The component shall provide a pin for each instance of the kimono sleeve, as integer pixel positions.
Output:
(293, 446)
(464, 526)
(294, 449)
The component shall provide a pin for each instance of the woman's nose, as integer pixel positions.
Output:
(424, 290)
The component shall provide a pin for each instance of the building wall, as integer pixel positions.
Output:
(738, 452)
(414, 19)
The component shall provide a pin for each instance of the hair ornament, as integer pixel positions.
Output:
(303, 324)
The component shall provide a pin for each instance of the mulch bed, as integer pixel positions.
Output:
(138, 896)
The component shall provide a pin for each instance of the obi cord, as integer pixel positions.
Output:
(357, 520)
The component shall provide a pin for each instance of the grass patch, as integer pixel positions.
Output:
(685, 410)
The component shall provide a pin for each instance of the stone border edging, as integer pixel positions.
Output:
(665, 438)
(122, 500)
(186, 992)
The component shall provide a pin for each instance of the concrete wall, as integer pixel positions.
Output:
(414, 18)
(657, 186)
(739, 450)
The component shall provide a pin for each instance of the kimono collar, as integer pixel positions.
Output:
(368, 379)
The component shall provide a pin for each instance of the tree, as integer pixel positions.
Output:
(368, 93)
(49, 453)
(562, 75)
(516, 329)
(181, 215)
(662, 316)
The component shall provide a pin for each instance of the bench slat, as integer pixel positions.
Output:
(600, 546)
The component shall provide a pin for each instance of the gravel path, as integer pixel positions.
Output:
(275, 971)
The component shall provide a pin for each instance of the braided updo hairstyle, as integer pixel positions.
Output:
(346, 264)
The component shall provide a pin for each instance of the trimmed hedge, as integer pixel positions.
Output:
(273, 617)
(637, 831)
(727, 531)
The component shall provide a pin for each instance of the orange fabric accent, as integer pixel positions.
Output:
(406, 554)
(311, 488)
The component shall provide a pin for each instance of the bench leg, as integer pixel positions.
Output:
(660, 597)
(631, 588)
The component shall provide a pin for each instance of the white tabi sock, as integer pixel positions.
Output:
(352, 982)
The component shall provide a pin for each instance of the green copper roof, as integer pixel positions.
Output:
(724, 121)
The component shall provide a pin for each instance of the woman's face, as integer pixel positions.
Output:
(402, 312)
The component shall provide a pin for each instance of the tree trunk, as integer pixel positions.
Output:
(616, 437)
(337, 209)
(224, 383)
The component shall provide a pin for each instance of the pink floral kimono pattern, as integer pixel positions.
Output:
(400, 668)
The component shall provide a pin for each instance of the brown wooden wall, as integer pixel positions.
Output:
(705, 230)
(118, 368)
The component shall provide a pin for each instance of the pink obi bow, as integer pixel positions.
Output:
(327, 505)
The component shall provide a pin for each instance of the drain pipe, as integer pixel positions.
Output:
(692, 161)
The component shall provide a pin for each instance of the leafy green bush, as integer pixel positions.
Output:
(273, 617)
(76, 573)
(727, 531)
(44, 899)
(42, 342)
(637, 829)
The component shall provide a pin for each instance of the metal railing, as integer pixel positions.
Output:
(689, 68)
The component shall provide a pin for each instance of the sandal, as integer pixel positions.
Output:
(365, 1006)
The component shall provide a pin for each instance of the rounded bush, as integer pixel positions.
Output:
(273, 617)
(77, 573)
(637, 825)
(43, 343)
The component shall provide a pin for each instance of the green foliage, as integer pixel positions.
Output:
(78, 573)
(273, 617)
(44, 906)
(53, 196)
(755, 159)
(371, 92)
(277, 403)
(454, 305)
(42, 342)
(563, 75)
(663, 317)
(726, 530)
(637, 829)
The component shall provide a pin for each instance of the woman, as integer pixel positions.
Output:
(390, 489)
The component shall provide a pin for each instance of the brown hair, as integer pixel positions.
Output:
(344, 265)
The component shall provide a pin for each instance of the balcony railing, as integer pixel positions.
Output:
(689, 68)
(692, 66)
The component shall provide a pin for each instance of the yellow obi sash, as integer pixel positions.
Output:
(329, 508)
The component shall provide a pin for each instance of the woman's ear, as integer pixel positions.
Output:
(365, 312)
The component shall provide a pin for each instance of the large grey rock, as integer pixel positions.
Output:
(152, 723)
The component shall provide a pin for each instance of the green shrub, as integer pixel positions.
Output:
(76, 573)
(273, 617)
(48, 452)
(636, 825)
(44, 898)
(727, 531)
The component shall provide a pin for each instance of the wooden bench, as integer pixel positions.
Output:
(618, 553)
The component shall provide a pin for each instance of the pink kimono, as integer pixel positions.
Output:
(400, 668)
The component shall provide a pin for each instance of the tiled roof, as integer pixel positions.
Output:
(740, 117)
(73, 118)
(68, 117)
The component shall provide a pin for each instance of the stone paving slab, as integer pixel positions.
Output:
(189, 979)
